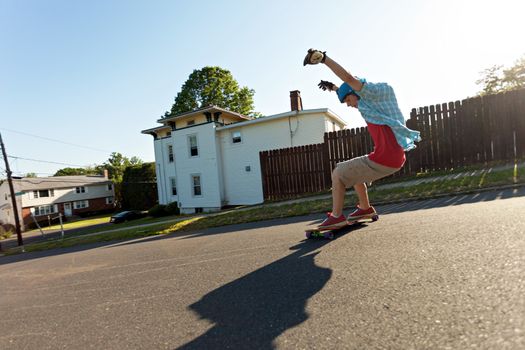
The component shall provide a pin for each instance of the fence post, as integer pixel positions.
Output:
(326, 162)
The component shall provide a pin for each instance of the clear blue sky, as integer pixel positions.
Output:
(95, 73)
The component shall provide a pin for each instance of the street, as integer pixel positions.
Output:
(447, 273)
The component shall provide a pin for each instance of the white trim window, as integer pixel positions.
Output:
(171, 157)
(81, 204)
(43, 193)
(110, 187)
(193, 145)
(173, 183)
(236, 137)
(196, 185)
(81, 189)
(44, 210)
(109, 200)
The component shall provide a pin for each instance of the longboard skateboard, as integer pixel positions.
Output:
(315, 232)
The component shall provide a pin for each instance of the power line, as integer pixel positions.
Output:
(54, 140)
(60, 179)
(45, 161)
(31, 172)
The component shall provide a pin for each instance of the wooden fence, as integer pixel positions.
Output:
(454, 134)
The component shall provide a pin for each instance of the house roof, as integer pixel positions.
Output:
(42, 183)
(156, 129)
(285, 115)
(202, 110)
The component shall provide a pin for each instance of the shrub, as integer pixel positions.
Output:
(157, 211)
(9, 227)
(6, 231)
(173, 208)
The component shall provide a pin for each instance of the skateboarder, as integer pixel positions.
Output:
(378, 106)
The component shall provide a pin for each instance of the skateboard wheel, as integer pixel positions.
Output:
(308, 235)
(375, 217)
(329, 235)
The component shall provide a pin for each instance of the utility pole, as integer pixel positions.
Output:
(12, 190)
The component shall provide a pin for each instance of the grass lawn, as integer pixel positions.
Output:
(484, 179)
(68, 225)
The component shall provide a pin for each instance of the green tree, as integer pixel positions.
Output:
(497, 79)
(213, 86)
(89, 170)
(70, 172)
(139, 186)
(31, 175)
(116, 165)
(514, 77)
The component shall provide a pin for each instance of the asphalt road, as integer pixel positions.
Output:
(447, 273)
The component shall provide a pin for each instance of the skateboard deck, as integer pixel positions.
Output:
(315, 232)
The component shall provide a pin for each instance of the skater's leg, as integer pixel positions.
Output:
(338, 194)
(362, 195)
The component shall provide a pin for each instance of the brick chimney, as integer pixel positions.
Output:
(295, 100)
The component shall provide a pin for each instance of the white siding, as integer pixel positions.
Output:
(331, 125)
(6, 214)
(243, 187)
(205, 164)
(165, 169)
(67, 195)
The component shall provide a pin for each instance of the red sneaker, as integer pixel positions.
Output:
(361, 214)
(332, 223)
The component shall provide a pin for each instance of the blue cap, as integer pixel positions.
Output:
(345, 90)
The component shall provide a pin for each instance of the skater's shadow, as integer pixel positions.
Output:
(252, 311)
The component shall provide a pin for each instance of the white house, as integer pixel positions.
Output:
(40, 197)
(209, 158)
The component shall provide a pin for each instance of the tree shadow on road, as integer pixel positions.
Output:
(252, 311)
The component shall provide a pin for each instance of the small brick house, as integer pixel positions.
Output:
(43, 198)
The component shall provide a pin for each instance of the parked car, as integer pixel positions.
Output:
(127, 216)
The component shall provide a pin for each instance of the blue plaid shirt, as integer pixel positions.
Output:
(378, 105)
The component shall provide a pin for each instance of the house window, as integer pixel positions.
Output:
(43, 193)
(80, 204)
(44, 210)
(190, 122)
(168, 134)
(81, 189)
(110, 187)
(109, 200)
(192, 141)
(170, 153)
(173, 186)
(196, 184)
(236, 137)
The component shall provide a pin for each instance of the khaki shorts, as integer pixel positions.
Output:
(361, 170)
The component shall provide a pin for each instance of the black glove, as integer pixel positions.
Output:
(314, 57)
(326, 85)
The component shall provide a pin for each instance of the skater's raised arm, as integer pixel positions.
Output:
(343, 74)
(316, 56)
